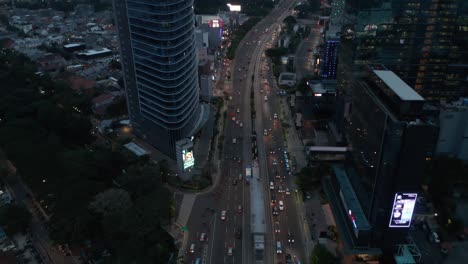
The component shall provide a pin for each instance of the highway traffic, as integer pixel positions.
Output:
(220, 222)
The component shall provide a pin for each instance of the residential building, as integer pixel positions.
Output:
(390, 141)
(157, 47)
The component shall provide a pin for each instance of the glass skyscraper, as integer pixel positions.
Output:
(417, 40)
(160, 71)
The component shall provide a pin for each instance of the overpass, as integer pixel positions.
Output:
(327, 153)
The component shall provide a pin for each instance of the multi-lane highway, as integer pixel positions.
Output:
(219, 224)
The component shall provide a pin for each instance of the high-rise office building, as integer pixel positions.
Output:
(332, 45)
(416, 40)
(390, 142)
(160, 69)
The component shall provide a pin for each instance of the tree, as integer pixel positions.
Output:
(290, 21)
(311, 177)
(14, 218)
(111, 201)
(320, 255)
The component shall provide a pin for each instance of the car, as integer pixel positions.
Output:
(265, 98)
(277, 227)
(239, 209)
(237, 122)
(273, 198)
(274, 210)
(280, 189)
(434, 237)
(233, 118)
(238, 110)
(272, 186)
(278, 176)
(240, 176)
(281, 205)
(275, 116)
(234, 182)
(223, 215)
(272, 151)
(279, 249)
(287, 191)
(265, 132)
(444, 250)
(203, 237)
(234, 140)
(289, 259)
(241, 124)
(290, 237)
(274, 162)
(238, 233)
(239, 69)
(229, 251)
(192, 248)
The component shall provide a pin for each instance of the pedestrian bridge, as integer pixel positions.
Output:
(327, 150)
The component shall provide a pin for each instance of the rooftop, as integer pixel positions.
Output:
(257, 205)
(139, 151)
(403, 90)
(94, 52)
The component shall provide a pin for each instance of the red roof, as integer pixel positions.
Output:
(79, 83)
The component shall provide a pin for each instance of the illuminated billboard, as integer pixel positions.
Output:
(216, 23)
(402, 210)
(234, 8)
(188, 159)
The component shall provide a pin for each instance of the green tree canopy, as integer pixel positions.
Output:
(320, 255)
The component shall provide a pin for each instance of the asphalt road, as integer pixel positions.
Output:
(229, 195)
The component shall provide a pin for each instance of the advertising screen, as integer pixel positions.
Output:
(216, 23)
(187, 158)
(402, 210)
(234, 8)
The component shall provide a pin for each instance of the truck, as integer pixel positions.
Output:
(248, 173)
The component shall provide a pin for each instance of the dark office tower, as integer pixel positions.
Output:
(416, 42)
(160, 71)
(389, 142)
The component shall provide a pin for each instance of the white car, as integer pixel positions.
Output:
(234, 140)
(241, 124)
(265, 132)
(281, 205)
(223, 215)
(192, 248)
(202, 237)
(265, 98)
(275, 116)
(238, 110)
(237, 122)
(272, 186)
(230, 251)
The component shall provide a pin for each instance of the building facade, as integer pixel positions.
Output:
(390, 143)
(160, 69)
(416, 40)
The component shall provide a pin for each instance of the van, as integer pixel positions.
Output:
(279, 249)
